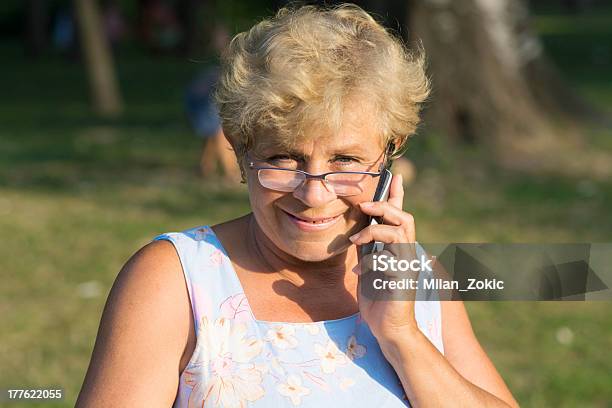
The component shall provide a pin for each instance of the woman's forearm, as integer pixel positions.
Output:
(428, 378)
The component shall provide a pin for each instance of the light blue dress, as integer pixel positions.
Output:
(240, 361)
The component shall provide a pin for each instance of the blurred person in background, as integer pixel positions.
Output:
(63, 33)
(265, 310)
(204, 116)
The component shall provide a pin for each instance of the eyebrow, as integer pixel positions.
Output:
(354, 149)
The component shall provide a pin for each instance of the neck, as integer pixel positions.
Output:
(331, 272)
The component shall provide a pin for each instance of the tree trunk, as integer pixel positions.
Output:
(98, 59)
(483, 61)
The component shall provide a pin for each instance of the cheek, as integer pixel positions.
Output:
(260, 198)
(262, 205)
(355, 215)
(259, 195)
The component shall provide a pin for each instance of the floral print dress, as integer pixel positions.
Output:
(240, 361)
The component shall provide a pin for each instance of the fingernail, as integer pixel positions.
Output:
(354, 237)
(366, 204)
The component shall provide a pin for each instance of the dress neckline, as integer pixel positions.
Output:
(236, 281)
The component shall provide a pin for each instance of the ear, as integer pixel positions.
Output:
(243, 179)
(396, 146)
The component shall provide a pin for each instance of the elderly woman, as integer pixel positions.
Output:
(264, 310)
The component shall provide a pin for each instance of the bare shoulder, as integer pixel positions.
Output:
(144, 332)
(151, 279)
(157, 260)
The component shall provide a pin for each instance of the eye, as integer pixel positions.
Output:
(345, 160)
(282, 160)
(279, 157)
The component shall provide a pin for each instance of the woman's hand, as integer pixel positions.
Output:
(389, 320)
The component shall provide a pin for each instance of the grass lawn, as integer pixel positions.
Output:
(79, 195)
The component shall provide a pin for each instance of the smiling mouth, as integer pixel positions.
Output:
(312, 220)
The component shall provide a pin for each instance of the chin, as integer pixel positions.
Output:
(315, 251)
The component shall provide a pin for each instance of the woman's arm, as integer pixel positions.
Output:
(464, 376)
(143, 334)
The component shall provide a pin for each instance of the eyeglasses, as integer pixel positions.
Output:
(341, 183)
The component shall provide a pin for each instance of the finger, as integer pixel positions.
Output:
(389, 272)
(391, 215)
(396, 192)
(389, 234)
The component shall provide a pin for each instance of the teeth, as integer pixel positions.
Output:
(321, 221)
(314, 222)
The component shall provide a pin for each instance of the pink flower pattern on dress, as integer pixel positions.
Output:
(227, 351)
(216, 257)
(354, 350)
(236, 307)
(201, 234)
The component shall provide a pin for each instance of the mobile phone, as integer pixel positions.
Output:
(381, 194)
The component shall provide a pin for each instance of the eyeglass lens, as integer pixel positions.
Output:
(288, 181)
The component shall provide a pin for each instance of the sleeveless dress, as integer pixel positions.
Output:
(240, 361)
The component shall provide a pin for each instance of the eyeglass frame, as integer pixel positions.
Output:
(384, 164)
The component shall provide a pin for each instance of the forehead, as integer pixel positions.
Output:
(358, 133)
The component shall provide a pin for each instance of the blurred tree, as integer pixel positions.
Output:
(98, 59)
(36, 28)
(491, 81)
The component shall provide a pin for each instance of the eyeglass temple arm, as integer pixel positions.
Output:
(386, 164)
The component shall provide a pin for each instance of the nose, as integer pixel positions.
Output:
(313, 193)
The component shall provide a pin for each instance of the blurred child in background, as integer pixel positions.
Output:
(204, 117)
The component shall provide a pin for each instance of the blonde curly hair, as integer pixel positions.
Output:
(300, 69)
